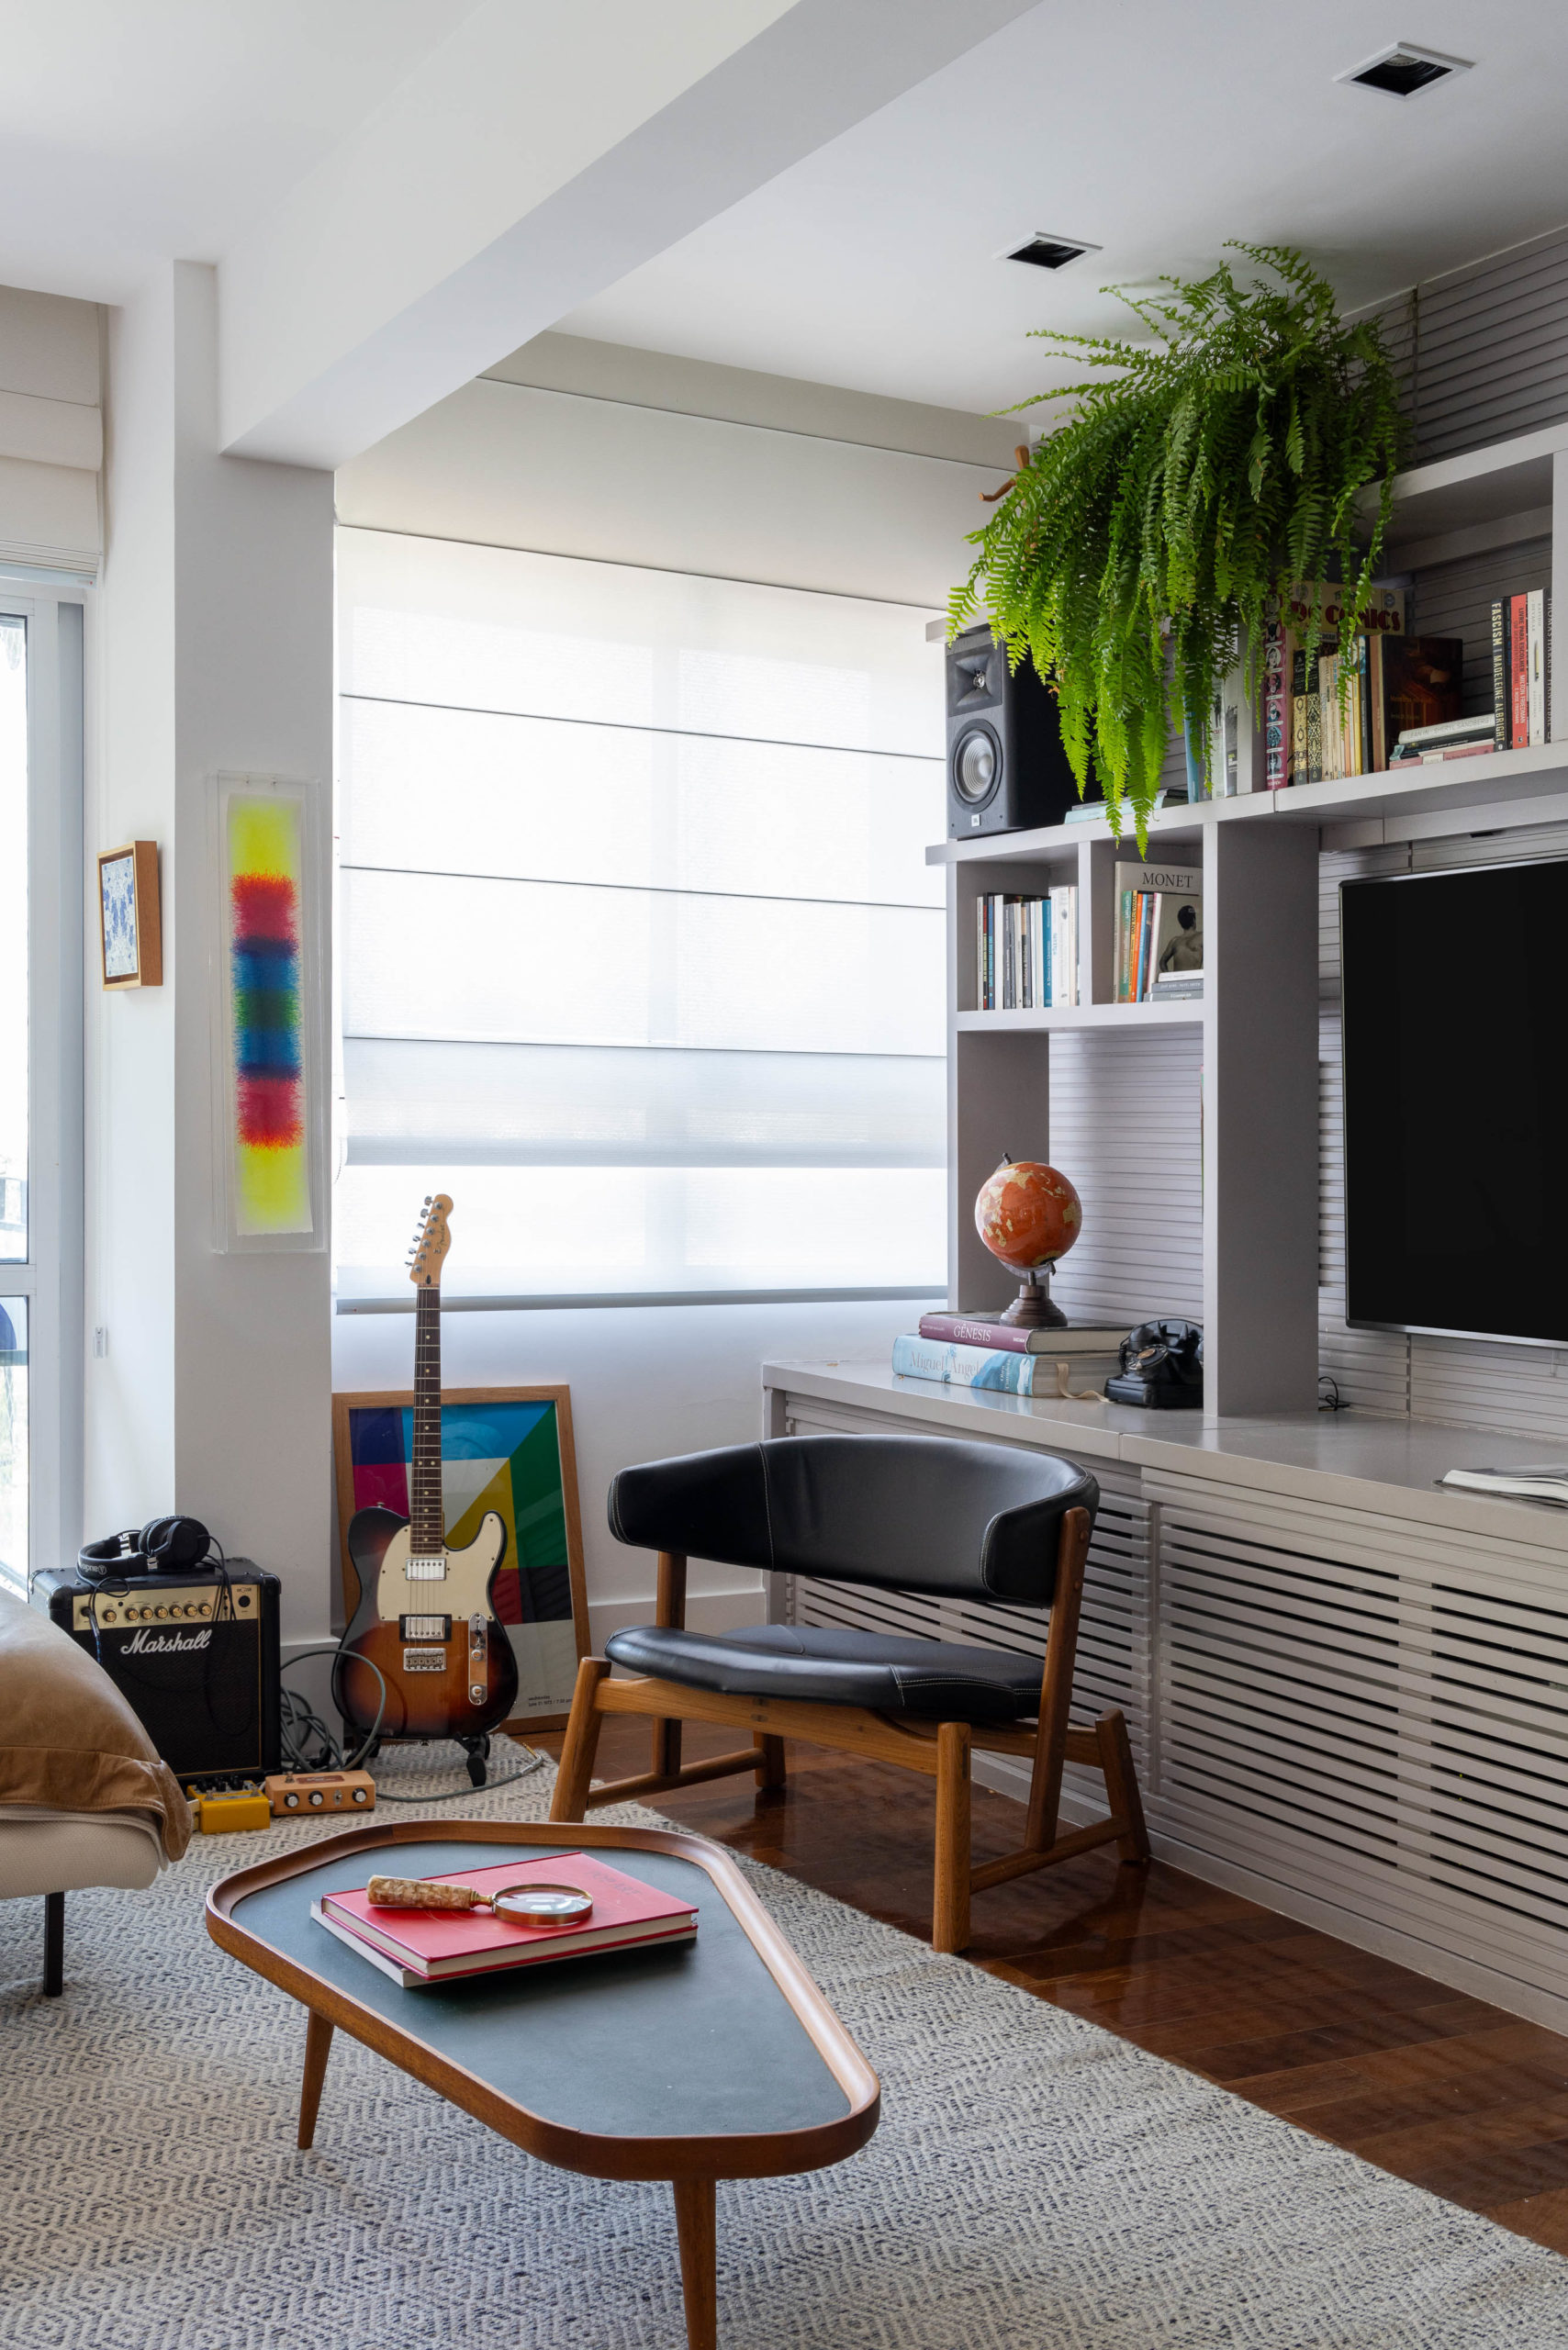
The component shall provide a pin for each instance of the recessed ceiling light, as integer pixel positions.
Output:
(1046, 252)
(1403, 67)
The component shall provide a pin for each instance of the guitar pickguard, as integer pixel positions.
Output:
(461, 1593)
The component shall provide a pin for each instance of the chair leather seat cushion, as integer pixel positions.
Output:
(832, 1665)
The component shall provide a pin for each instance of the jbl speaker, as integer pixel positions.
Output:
(196, 1659)
(1006, 769)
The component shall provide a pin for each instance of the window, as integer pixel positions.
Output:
(40, 1079)
(640, 956)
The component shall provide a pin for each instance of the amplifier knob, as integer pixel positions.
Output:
(204, 1609)
(317, 1798)
(161, 1613)
(291, 1801)
(108, 1615)
(359, 1794)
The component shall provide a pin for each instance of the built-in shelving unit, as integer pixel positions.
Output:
(1258, 1020)
(1062, 1017)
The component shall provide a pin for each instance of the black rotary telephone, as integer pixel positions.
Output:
(1161, 1368)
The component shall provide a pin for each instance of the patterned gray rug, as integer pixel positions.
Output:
(1035, 2184)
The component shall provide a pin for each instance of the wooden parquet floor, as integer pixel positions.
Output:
(1441, 2089)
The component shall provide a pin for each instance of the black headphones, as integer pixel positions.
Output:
(163, 1546)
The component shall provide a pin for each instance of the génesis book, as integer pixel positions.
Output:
(982, 1330)
(1026, 950)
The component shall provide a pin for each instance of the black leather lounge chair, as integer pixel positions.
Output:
(979, 1522)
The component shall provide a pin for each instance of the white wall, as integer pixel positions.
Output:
(681, 466)
(129, 1126)
(215, 649)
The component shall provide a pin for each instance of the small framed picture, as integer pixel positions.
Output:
(130, 931)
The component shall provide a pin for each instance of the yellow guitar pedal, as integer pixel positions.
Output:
(220, 1815)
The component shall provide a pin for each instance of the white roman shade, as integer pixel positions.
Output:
(51, 434)
(640, 956)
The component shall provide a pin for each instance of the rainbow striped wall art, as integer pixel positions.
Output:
(263, 841)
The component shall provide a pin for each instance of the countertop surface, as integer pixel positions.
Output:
(1356, 1459)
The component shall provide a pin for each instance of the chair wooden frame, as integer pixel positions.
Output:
(941, 1750)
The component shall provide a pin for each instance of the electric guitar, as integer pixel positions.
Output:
(424, 1615)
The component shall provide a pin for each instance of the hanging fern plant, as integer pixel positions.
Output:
(1142, 542)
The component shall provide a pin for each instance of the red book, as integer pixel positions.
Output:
(1518, 670)
(431, 1945)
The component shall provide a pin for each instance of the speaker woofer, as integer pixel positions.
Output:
(977, 766)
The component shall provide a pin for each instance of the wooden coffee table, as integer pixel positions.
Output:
(719, 2060)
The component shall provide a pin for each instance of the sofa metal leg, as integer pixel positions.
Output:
(53, 1944)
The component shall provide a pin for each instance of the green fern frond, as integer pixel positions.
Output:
(1201, 473)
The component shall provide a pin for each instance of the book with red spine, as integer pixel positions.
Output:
(420, 1946)
(1518, 670)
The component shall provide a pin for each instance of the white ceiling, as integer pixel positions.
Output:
(136, 130)
(1154, 131)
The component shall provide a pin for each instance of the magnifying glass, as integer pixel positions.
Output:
(542, 1905)
(533, 1904)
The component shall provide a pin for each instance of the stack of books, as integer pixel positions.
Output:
(1453, 738)
(977, 1350)
(1159, 932)
(1307, 736)
(1026, 951)
(1521, 669)
(419, 1947)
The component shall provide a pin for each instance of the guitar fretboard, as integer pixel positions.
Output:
(427, 1528)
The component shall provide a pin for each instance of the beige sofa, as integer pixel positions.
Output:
(84, 1799)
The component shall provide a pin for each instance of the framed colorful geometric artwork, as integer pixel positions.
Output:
(267, 1085)
(506, 1448)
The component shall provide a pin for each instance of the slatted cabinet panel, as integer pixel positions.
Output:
(1378, 1722)
(1113, 1659)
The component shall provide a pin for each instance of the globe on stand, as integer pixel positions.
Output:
(1028, 1215)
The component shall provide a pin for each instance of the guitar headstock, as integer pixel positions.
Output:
(431, 1242)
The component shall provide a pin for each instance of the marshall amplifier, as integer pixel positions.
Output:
(195, 1659)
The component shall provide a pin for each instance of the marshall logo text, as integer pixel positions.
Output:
(146, 1644)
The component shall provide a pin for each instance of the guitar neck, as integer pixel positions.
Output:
(427, 1525)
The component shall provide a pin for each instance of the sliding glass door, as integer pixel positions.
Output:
(40, 1080)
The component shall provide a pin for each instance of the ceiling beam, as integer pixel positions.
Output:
(537, 157)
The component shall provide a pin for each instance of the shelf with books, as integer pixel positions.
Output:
(1188, 1012)
(1491, 781)
(1505, 786)
(1062, 842)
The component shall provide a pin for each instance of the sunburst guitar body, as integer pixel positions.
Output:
(425, 1614)
(444, 1656)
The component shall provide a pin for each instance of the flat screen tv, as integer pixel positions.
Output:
(1456, 1101)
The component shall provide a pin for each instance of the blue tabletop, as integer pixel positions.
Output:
(698, 2041)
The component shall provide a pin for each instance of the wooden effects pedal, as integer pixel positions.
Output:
(293, 1792)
